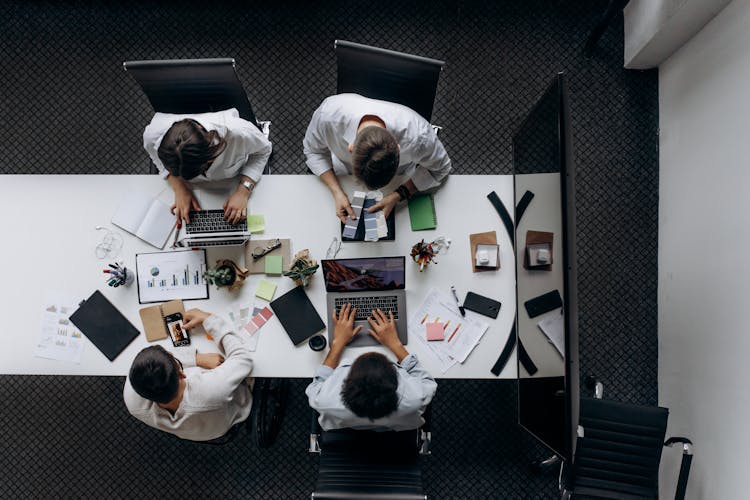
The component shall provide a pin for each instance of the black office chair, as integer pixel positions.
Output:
(618, 451)
(388, 75)
(369, 465)
(190, 86)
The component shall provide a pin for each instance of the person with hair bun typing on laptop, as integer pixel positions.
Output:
(195, 396)
(373, 392)
(189, 149)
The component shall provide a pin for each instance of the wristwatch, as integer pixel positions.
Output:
(249, 185)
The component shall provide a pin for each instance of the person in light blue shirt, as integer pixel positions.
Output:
(373, 392)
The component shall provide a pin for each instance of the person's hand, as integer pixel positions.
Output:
(343, 207)
(387, 204)
(193, 318)
(384, 329)
(235, 208)
(209, 360)
(184, 202)
(343, 326)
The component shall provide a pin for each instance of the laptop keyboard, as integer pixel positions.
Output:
(212, 221)
(366, 304)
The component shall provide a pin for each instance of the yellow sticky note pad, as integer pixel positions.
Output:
(256, 223)
(265, 290)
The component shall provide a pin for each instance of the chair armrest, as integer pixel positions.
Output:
(314, 445)
(687, 460)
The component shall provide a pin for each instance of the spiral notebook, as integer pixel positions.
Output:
(422, 212)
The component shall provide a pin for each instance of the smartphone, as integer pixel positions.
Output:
(177, 331)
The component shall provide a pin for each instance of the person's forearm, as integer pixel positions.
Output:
(398, 349)
(332, 182)
(334, 356)
(177, 183)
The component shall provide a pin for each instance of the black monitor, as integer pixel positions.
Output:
(548, 399)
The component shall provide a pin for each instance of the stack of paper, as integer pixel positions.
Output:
(461, 335)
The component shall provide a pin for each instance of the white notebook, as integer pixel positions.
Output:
(146, 217)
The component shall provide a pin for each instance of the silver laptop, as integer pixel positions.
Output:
(208, 228)
(367, 284)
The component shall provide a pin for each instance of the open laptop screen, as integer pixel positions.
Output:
(369, 274)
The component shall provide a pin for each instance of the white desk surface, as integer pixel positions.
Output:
(59, 255)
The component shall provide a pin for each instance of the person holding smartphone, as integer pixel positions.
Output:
(195, 396)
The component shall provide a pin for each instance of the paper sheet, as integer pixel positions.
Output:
(553, 328)
(461, 334)
(59, 339)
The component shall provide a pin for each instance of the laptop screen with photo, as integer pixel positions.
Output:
(368, 274)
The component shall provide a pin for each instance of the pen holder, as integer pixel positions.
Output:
(129, 277)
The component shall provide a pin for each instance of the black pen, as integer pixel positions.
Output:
(460, 307)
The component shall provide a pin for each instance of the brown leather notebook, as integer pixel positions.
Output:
(488, 238)
(535, 241)
(152, 318)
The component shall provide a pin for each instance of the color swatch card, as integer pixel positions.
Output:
(260, 317)
(350, 228)
(265, 290)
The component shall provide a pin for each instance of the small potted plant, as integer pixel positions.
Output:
(226, 273)
(302, 268)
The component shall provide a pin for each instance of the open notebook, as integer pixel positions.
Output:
(146, 217)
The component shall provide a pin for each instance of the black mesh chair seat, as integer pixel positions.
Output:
(388, 75)
(369, 465)
(618, 455)
(190, 86)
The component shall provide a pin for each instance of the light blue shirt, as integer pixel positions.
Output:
(416, 388)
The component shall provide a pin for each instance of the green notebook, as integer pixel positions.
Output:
(422, 212)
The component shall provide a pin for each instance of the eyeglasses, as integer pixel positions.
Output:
(259, 252)
(333, 248)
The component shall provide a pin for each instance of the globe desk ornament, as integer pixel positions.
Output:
(226, 273)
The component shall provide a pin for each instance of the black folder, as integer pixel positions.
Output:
(104, 325)
(297, 315)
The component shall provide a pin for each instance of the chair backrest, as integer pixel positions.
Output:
(369, 465)
(620, 450)
(388, 75)
(189, 86)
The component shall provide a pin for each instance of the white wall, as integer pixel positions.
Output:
(704, 263)
(655, 29)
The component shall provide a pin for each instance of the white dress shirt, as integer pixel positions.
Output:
(334, 126)
(213, 401)
(416, 388)
(246, 153)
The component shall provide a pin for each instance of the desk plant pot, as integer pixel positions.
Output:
(226, 273)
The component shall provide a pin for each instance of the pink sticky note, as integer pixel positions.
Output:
(435, 331)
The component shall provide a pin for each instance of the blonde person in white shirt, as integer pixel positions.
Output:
(195, 396)
(206, 147)
(374, 140)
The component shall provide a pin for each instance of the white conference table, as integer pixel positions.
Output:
(49, 241)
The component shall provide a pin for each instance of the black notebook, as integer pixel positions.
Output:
(297, 315)
(104, 325)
